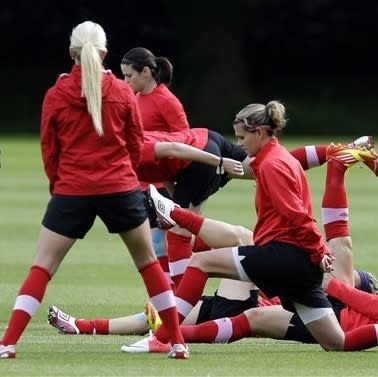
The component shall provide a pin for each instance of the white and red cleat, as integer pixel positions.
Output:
(162, 206)
(7, 352)
(147, 345)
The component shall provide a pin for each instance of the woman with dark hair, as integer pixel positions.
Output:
(149, 76)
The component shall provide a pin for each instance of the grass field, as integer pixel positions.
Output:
(97, 279)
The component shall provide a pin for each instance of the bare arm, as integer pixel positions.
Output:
(182, 151)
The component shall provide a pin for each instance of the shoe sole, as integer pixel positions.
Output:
(131, 349)
(134, 349)
(179, 355)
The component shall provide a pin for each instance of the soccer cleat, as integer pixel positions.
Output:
(163, 207)
(368, 143)
(179, 351)
(153, 319)
(63, 322)
(350, 155)
(7, 352)
(363, 142)
(147, 345)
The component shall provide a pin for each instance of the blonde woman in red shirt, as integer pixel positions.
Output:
(91, 140)
(289, 256)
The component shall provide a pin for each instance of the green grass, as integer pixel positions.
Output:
(97, 279)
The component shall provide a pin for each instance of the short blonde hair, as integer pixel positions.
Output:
(88, 39)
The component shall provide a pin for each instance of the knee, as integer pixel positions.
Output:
(199, 261)
(332, 347)
(244, 235)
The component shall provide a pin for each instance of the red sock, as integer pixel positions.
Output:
(95, 326)
(223, 330)
(199, 245)
(179, 254)
(163, 260)
(310, 155)
(187, 295)
(361, 338)
(27, 303)
(335, 203)
(187, 219)
(162, 298)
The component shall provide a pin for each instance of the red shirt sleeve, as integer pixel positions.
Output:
(148, 155)
(134, 134)
(49, 141)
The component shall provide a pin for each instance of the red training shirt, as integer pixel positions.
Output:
(76, 159)
(283, 202)
(161, 110)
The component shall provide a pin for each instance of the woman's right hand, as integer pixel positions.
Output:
(233, 168)
(326, 264)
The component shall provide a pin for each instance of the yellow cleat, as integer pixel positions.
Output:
(350, 155)
(153, 319)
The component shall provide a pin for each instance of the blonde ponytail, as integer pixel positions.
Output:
(88, 39)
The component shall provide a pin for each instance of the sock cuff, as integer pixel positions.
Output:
(148, 266)
(41, 269)
(176, 236)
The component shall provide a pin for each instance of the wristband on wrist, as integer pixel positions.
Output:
(220, 168)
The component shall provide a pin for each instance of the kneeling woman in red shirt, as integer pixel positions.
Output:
(289, 256)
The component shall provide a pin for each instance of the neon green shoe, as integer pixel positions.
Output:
(350, 155)
(153, 319)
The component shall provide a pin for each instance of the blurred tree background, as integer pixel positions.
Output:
(319, 57)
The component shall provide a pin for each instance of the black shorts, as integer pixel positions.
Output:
(198, 181)
(73, 216)
(152, 217)
(297, 330)
(215, 307)
(284, 270)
